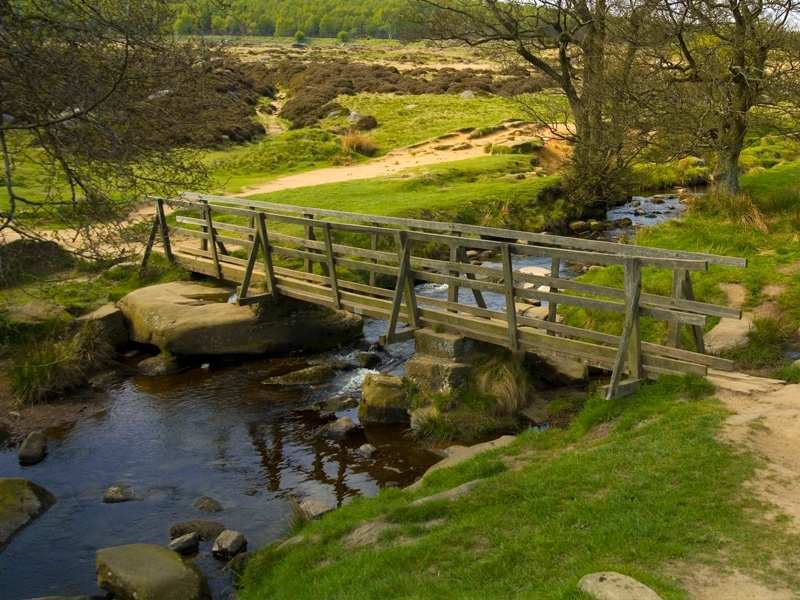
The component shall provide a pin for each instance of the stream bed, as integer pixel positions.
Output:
(217, 432)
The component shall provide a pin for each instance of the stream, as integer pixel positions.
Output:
(216, 432)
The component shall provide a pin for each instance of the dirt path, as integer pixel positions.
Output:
(446, 148)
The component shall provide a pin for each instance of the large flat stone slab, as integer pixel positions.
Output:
(148, 572)
(615, 586)
(21, 501)
(187, 318)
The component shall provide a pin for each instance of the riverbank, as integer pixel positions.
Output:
(644, 486)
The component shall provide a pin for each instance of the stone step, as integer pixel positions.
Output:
(436, 375)
(742, 383)
(442, 345)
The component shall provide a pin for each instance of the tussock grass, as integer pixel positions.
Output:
(45, 369)
(358, 143)
(506, 381)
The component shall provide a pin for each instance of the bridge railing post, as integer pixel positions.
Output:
(373, 245)
(212, 240)
(552, 307)
(511, 302)
(629, 353)
(326, 230)
(404, 287)
(159, 227)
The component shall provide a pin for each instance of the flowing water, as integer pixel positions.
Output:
(217, 432)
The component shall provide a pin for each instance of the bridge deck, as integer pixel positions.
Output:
(280, 245)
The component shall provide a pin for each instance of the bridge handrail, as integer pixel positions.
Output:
(479, 230)
(510, 327)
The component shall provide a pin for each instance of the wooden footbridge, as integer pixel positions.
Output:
(369, 265)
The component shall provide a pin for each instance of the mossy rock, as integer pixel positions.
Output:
(21, 501)
(148, 572)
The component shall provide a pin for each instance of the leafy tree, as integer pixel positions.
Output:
(343, 37)
(95, 98)
(299, 37)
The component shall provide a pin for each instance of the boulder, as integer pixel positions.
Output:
(436, 376)
(313, 375)
(33, 449)
(36, 313)
(205, 530)
(384, 399)
(459, 454)
(207, 504)
(368, 360)
(119, 493)
(185, 544)
(449, 346)
(228, 544)
(450, 495)
(728, 334)
(366, 123)
(21, 501)
(159, 366)
(615, 586)
(148, 572)
(187, 318)
(110, 322)
(314, 509)
(339, 429)
(367, 450)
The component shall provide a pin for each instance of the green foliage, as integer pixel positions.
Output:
(636, 486)
(790, 374)
(343, 37)
(299, 37)
(53, 366)
(273, 156)
(406, 120)
(766, 345)
(282, 18)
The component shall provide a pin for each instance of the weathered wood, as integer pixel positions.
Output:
(492, 232)
(162, 220)
(326, 231)
(678, 293)
(453, 287)
(212, 242)
(511, 307)
(555, 273)
(405, 268)
(373, 244)
(630, 349)
(266, 248)
(149, 246)
(697, 331)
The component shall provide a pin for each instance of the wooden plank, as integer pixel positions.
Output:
(405, 267)
(629, 349)
(478, 328)
(555, 272)
(308, 265)
(326, 231)
(504, 234)
(212, 241)
(674, 328)
(266, 248)
(511, 307)
(162, 220)
(453, 287)
(373, 244)
(149, 246)
(697, 331)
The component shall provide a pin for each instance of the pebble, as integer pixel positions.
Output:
(207, 504)
(314, 509)
(367, 450)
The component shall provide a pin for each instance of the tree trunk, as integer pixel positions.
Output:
(732, 141)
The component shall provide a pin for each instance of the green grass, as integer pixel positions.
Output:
(482, 190)
(771, 257)
(658, 491)
(407, 120)
(240, 166)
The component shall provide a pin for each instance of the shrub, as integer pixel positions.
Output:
(343, 37)
(739, 208)
(51, 367)
(506, 381)
(299, 37)
(358, 143)
(765, 346)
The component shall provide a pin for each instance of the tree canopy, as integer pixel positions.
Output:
(283, 18)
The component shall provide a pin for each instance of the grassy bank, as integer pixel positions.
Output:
(641, 486)
(484, 190)
(761, 226)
